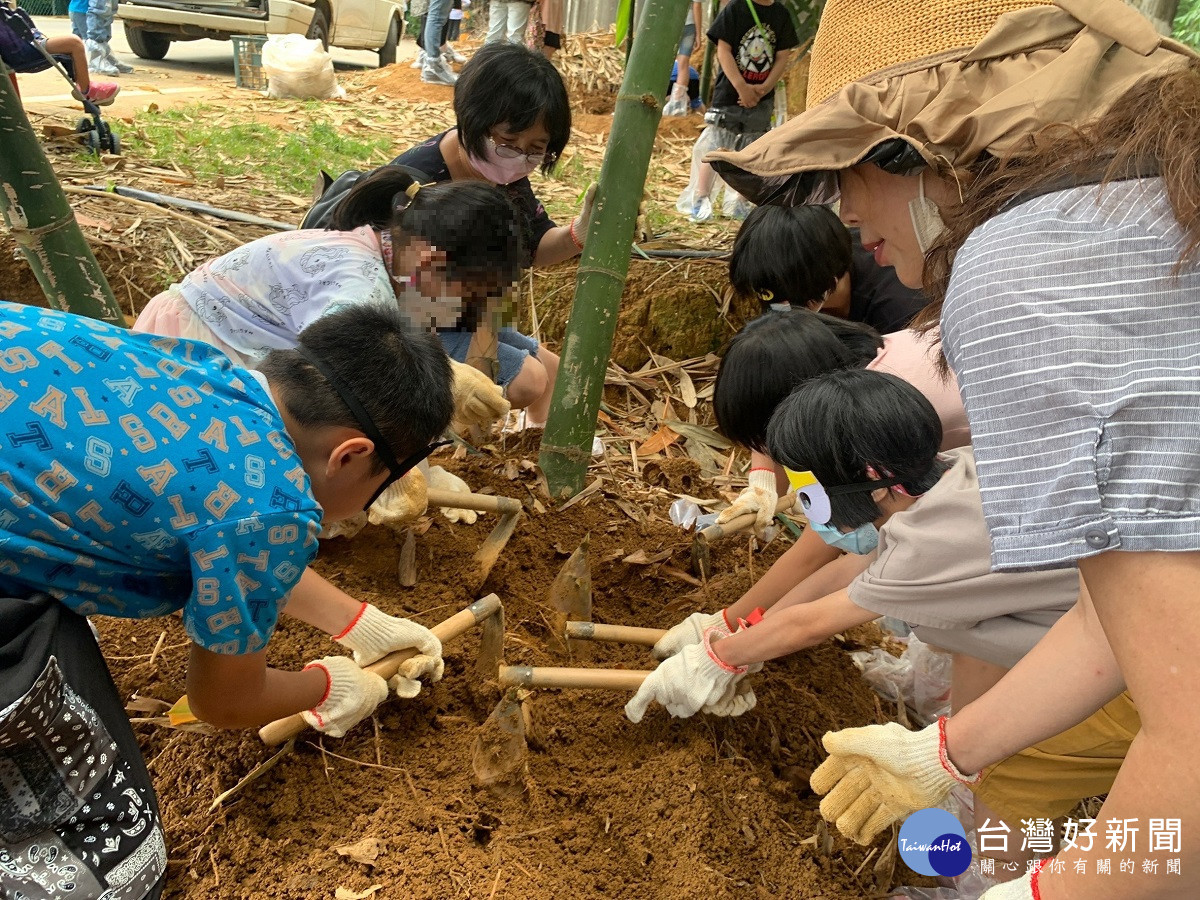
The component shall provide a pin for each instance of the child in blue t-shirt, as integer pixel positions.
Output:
(145, 476)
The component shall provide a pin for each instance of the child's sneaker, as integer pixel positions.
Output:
(103, 93)
(702, 210)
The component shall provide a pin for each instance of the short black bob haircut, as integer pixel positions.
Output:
(789, 254)
(839, 423)
(511, 85)
(773, 354)
(401, 378)
(472, 222)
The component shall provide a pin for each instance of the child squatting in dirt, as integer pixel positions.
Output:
(146, 476)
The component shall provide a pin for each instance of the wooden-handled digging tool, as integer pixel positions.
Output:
(489, 551)
(625, 634)
(551, 676)
(458, 624)
(701, 558)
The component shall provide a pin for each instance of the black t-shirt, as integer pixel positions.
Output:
(428, 158)
(753, 49)
(877, 297)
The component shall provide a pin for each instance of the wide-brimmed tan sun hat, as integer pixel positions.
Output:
(910, 83)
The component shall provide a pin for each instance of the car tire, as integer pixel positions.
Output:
(387, 53)
(147, 44)
(318, 28)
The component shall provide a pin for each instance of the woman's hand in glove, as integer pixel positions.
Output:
(879, 774)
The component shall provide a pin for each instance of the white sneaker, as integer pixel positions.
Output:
(436, 71)
(453, 55)
(702, 210)
(419, 62)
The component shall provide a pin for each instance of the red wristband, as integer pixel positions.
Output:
(345, 631)
(574, 237)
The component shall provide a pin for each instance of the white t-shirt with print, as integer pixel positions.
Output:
(259, 297)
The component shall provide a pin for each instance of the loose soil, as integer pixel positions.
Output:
(703, 807)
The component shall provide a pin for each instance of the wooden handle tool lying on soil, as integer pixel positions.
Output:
(458, 624)
(625, 634)
(550, 676)
(493, 545)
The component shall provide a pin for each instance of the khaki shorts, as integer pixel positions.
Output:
(1050, 778)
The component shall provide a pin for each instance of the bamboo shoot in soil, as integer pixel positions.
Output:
(408, 560)
(571, 600)
(498, 757)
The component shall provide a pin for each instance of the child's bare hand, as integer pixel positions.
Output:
(748, 97)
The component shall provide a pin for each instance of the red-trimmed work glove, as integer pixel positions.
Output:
(691, 681)
(1024, 888)
(351, 694)
(374, 634)
(690, 631)
(879, 774)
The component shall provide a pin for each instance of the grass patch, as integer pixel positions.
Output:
(285, 159)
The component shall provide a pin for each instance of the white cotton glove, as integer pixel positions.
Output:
(346, 528)
(351, 694)
(1020, 889)
(738, 698)
(402, 503)
(689, 631)
(579, 225)
(759, 497)
(690, 681)
(374, 634)
(879, 774)
(439, 479)
(477, 399)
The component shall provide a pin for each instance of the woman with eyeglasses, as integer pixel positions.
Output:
(787, 256)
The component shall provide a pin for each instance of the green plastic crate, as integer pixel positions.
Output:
(247, 61)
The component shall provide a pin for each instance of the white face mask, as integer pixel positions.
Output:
(926, 218)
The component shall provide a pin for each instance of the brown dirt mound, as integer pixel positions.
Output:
(403, 82)
(675, 307)
(669, 808)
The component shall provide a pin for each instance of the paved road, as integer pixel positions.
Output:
(190, 69)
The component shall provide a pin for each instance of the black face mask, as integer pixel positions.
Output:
(397, 470)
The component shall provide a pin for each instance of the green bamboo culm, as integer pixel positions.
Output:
(37, 213)
(578, 389)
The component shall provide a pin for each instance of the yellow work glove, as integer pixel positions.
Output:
(759, 497)
(402, 503)
(879, 774)
(478, 401)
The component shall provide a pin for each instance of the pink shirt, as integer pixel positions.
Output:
(913, 357)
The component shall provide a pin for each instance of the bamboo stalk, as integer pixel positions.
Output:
(35, 209)
(625, 634)
(551, 676)
(458, 624)
(604, 266)
(741, 523)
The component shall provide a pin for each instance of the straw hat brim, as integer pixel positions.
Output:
(1037, 67)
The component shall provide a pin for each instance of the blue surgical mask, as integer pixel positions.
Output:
(862, 540)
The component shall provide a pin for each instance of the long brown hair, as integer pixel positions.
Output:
(1153, 129)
